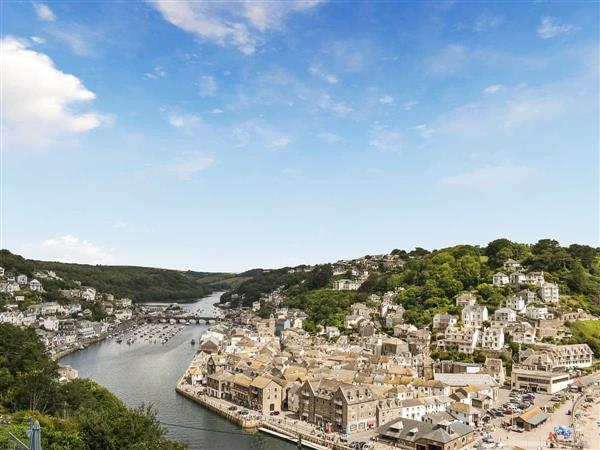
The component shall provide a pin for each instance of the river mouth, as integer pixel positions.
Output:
(145, 372)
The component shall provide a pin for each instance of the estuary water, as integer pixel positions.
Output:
(144, 372)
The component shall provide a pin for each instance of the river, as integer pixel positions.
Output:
(147, 373)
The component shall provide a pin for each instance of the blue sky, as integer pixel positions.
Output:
(232, 135)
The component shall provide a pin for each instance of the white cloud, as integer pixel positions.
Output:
(217, 111)
(43, 12)
(38, 40)
(187, 165)
(78, 38)
(409, 105)
(318, 72)
(207, 86)
(385, 139)
(548, 28)
(386, 100)
(489, 176)
(259, 133)
(326, 102)
(328, 137)
(74, 250)
(157, 72)
(38, 99)
(424, 131)
(492, 89)
(240, 24)
(184, 121)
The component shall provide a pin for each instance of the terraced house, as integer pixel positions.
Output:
(338, 406)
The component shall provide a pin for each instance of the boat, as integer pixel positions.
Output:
(119, 340)
(193, 342)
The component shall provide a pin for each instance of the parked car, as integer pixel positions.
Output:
(232, 408)
(244, 413)
(275, 413)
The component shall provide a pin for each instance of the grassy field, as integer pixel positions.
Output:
(587, 332)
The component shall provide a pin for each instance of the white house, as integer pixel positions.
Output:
(35, 285)
(511, 264)
(517, 278)
(88, 293)
(346, 285)
(527, 295)
(549, 293)
(474, 315)
(443, 321)
(22, 279)
(538, 313)
(500, 279)
(465, 299)
(492, 338)
(516, 303)
(332, 332)
(505, 315)
(50, 323)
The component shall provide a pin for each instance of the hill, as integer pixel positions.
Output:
(426, 282)
(141, 284)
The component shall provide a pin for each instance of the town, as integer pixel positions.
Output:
(374, 382)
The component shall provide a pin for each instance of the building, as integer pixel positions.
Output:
(493, 338)
(532, 418)
(333, 405)
(443, 321)
(516, 303)
(416, 435)
(465, 299)
(527, 296)
(547, 382)
(265, 395)
(35, 285)
(511, 264)
(474, 315)
(549, 293)
(505, 315)
(345, 284)
(558, 357)
(500, 279)
(22, 279)
(538, 313)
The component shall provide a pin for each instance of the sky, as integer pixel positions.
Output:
(223, 136)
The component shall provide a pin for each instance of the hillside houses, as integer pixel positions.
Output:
(474, 315)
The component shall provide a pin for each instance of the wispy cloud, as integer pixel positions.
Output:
(448, 60)
(326, 102)
(157, 72)
(486, 21)
(492, 89)
(185, 121)
(386, 100)
(409, 105)
(207, 86)
(187, 165)
(549, 28)
(239, 24)
(424, 131)
(259, 133)
(385, 139)
(43, 12)
(489, 177)
(318, 72)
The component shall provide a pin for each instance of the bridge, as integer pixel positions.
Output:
(192, 318)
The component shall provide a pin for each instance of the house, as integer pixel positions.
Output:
(22, 279)
(465, 299)
(417, 435)
(549, 293)
(1, 271)
(265, 395)
(393, 319)
(332, 332)
(464, 339)
(500, 279)
(558, 357)
(88, 293)
(527, 296)
(516, 303)
(366, 328)
(505, 316)
(465, 413)
(474, 315)
(360, 309)
(35, 285)
(443, 321)
(345, 284)
(351, 321)
(536, 278)
(511, 264)
(538, 313)
(338, 406)
(517, 278)
(492, 338)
